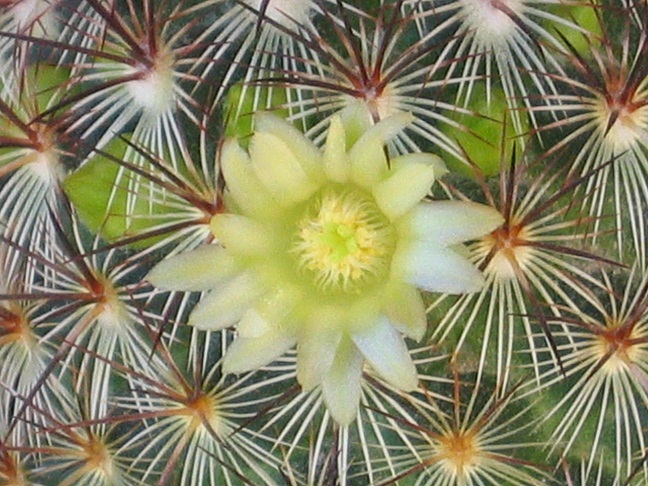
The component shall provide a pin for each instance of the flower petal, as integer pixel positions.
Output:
(363, 311)
(243, 186)
(386, 129)
(274, 307)
(316, 348)
(241, 235)
(252, 325)
(356, 119)
(435, 268)
(279, 170)
(342, 384)
(384, 349)
(200, 269)
(404, 189)
(431, 160)
(336, 162)
(450, 222)
(405, 309)
(305, 151)
(367, 156)
(247, 354)
(224, 306)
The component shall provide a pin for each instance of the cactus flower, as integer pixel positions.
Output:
(326, 250)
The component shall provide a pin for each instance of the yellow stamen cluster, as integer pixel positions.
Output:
(343, 240)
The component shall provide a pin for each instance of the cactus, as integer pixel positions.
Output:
(324, 242)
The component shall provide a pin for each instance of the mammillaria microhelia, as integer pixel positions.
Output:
(326, 250)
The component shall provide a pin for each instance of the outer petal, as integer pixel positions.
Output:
(406, 310)
(305, 151)
(336, 162)
(252, 325)
(247, 354)
(450, 222)
(363, 312)
(404, 189)
(367, 155)
(241, 235)
(195, 270)
(385, 129)
(385, 350)
(435, 268)
(272, 309)
(279, 170)
(341, 386)
(224, 306)
(430, 160)
(243, 186)
(356, 119)
(316, 348)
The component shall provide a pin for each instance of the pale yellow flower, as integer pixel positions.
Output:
(325, 250)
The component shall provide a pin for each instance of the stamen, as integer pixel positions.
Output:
(343, 240)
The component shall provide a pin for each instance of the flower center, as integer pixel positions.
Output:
(343, 240)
